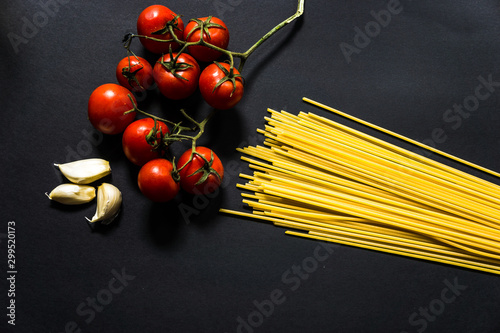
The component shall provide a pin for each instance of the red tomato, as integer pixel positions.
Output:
(154, 22)
(141, 140)
(203, 174)
(107, 106)
(214, 32)
(179, 79)
(156, 181)
(220, 88)
(134, 73)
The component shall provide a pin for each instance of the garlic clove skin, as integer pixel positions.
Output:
(72, 194)
(109, 201)
(85, 171)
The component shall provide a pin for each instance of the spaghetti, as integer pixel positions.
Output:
(327, 181)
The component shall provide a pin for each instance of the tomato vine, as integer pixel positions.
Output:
(243, 56)
(177, 74)
(170, 28)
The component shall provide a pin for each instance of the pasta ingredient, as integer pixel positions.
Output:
(326, 181)
(109, 201)
(85, 171)
(72, 194)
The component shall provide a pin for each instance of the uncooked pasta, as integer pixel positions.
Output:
(327, 181)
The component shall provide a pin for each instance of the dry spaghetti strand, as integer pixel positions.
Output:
(331, 182)
(399, 136)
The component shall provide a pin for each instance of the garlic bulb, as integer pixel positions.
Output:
(109, 200)
(85, 171)
(72, 194)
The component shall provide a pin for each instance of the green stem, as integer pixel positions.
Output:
(199, 125)
(231, 54)
(243, 56)
(136, 109)
(177, 136)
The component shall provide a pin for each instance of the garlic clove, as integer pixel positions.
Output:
(72, 194)
(109, 200)
(85, 171)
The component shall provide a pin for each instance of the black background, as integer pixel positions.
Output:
(208, 272)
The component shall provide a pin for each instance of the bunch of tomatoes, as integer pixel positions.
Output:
(187, 61)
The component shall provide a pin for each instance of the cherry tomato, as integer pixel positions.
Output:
(141, 140)
(156, 181)
(135, 73)
(179, 79)
(203, 174)
(154, 21)
(107, 106)
(215, 32)
(220, 88)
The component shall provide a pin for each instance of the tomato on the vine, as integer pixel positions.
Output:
(202, 174)
(157, 182)
(107, 108)
(142, 140)
(176, 75)
(134, 73)
(221, 86)
(154, 22)
(215, 32)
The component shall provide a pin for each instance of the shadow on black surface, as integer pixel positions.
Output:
(110, 147)
(224, 131)
(163, 223)
(105, 229)
(166, 219)
(265, 62)
(72, 208)
(200, 210)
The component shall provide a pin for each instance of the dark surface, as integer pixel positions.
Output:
(210, 272)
